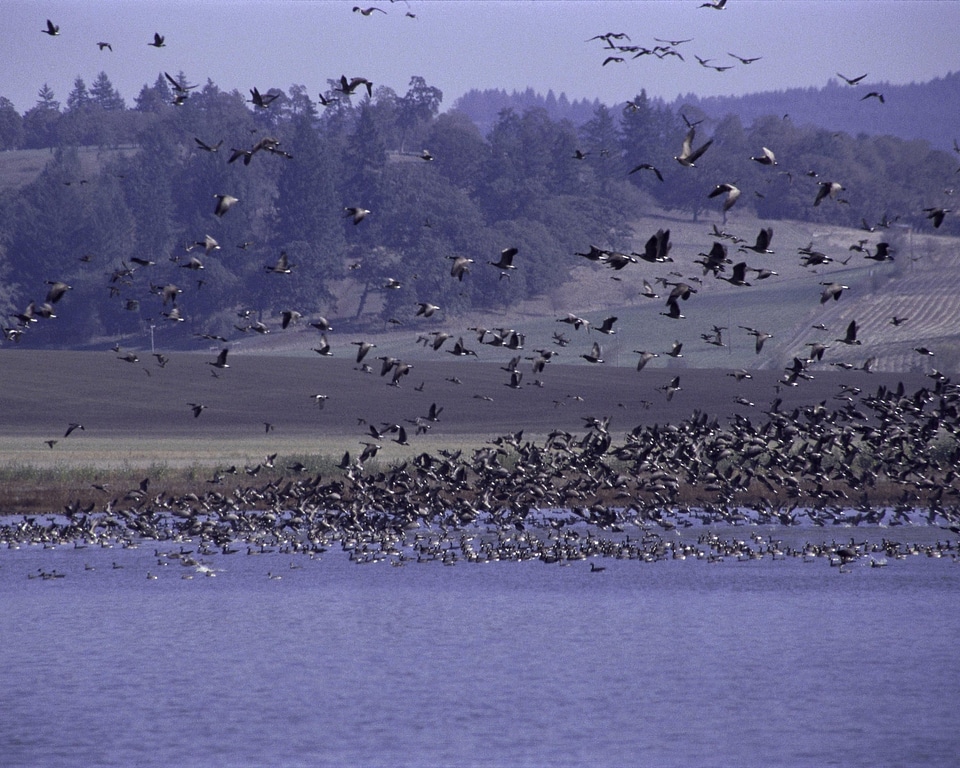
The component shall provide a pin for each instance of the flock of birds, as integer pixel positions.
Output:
(571, 497)
(814, 465)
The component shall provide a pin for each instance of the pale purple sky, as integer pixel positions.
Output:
(457, 45)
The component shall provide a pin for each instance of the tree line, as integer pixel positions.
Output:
(436, 187)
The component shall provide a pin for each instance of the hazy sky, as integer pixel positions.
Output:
(457, 45)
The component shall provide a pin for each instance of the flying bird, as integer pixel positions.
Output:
(157, 40)
(688, 156)
(647, 167)
(282, 267)
(851, 335)
(224, 204)
(52, 29)
(766, 158)
(852, 80)
(358, 214)
(262, 100)
(936, 215)
(732, 195)
(595, 355)
(221, 361)
(762, 244)
(827, 188)
(506, 259)
(461, 265)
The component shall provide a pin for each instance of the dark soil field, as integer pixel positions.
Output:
(41, 392)
(137, 417)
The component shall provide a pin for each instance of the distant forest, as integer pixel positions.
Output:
(138, 239)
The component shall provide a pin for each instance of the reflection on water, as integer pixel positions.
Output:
(759, 662)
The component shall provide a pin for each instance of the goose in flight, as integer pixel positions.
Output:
(367, 11)
(645, 357)
(52, 29)
(732, 195)
(363, 347)
(936, 215)
(832, 291)
(851, 335)
(657, 249)
(647, 167)
(282, 267)
(56, 291)
(506, 259)
(688, 156)
(738, 277)
(158, 40)
(348, 87)
(324, 348)
(221, 361)
(762, 244)
(760, 336)
(830, 188)
(607, 326)
(224, 204)
(262, 100)
(672, 388)
(208, 147)
(852, 80)
(574, 320)
(766, 157)
(358, 214)
(197, 409)
(460, 266)
(595, 355)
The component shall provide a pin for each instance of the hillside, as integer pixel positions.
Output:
(922, 284)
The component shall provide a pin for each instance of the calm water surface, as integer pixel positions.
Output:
(514, 664)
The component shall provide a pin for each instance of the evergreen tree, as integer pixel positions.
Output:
(105, 96)
(11, 125)
(79, 98)
(40, 122)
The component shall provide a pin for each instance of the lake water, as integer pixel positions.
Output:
(675, 663)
